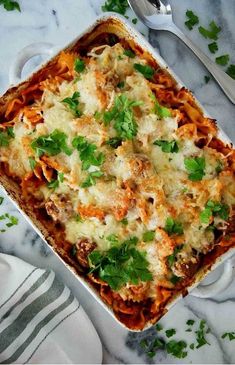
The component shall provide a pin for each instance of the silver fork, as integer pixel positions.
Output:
(157, 15)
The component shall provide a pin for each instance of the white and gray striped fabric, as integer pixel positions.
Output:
(40, 319)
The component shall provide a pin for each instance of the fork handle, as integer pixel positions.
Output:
(226, 83)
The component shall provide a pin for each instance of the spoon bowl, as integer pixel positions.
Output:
(156, 14)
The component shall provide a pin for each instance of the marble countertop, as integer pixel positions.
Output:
(59, 21)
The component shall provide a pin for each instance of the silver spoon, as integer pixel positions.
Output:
(157, 15)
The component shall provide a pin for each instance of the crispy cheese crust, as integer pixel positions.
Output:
(140, 185)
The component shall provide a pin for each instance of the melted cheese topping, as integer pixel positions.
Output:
(140, 182)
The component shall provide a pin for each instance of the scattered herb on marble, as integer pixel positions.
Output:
(190, 322)
(134, 20)
(207, 79)
(10, 5)
(213, 47)
(212, 32)
(192, 19)
(231, 71)
(222, 60)
(229, 335)
(11, 221)
(171, 332)
(201, 333)
(118, 6)
(177, 348)
(1, 200)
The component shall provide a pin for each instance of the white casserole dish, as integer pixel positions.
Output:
(15, 74)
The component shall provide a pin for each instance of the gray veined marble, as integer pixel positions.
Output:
(58, 21)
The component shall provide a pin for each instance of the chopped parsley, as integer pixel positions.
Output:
(171, 332)
(129, 53)
(10, 5)
(190, 322)
(175, 279)
(6, 136)
(118, 6)
(201, 332)
(113, 239)
(12, 220)
(192, 19)
(32, 163)
(148, 236)
(123, 116)
(222, 60)
(73, 104)
(53, 184)
(145, 70)
(167, 146)
(124, 221)
(177, 348)
(231, 71)
(87, 153)
(230, 335)
(212, 209)
(150, 346)
(195, 167)
(114, 142)
(134, 20)
(121, 265)
(1, 200)
(173, 227)
(91, 179)
(213, 47)
(51, 144)
(79, 65)
(212, 32)
(159, 327)
(171, 258)
(160, 110)
(207, 79)
(121, 84)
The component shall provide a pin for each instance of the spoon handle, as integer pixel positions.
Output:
(226, 83)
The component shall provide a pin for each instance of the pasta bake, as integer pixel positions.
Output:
(121, 169)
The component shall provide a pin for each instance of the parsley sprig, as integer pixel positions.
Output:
(87, 153)
(171, 258)
(230, 335)
(11, 221)
(51, 144)
(231, 71)
(10, 5)
(212, 32)
(195, 167)
(79, 65)
(145, 70)
(222, 60)
(167, 146)
(192, 19)
(212, 209)
(73, 104)
(91, 179)
(118, 6)
(121, 265)
(123, 117)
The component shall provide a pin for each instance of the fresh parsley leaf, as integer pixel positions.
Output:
(123, 116)
(32, 163)
(195, 167)
(60, 177)
(79, 65)
(12, 221)
(171, 258)
(212, 32)
(173, 227)
(171, 332)
(190, 322)
(193, 19)
(175, 279)
(158, 327)
(87, 153)
(97, 115)
(167, 146)
(10, 5)
(113, 239)
(222, 60)
(231, 71)
(160, 110)
(120, 265)
(118, 6)
(129, 53)
(53, 184)
(213, 47)
(124, 221)
(51, 144)
(134, 20)
(91, 179)
(207, 79)
(201, 340)
(230, 335)
(1, 200)
(219, 167)
(73, 104)
(213, 208)
(6, 136)
(148, 236)
(114, 142)
(145, 70)
(177, 348)
(192, 346)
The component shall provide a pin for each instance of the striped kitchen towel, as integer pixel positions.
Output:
(40, 319)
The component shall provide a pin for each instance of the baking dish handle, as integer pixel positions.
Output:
(210, 290)
(34, 49)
